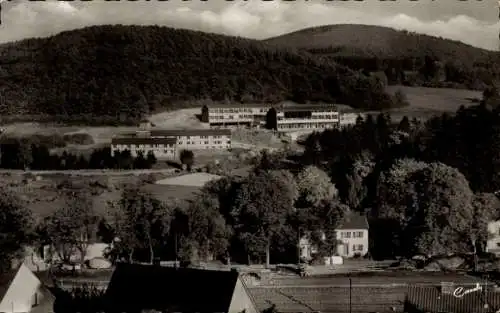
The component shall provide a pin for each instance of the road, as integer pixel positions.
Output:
(107, 172)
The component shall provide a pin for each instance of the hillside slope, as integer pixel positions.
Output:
(376, 48)
(124, 72)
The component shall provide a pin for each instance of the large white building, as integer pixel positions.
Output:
(250, 115)
(290, 116)
(167, 144)
(303, 117)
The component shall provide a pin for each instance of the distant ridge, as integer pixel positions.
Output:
(121, 73)
(376, 48)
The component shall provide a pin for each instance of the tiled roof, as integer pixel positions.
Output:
(430, 299)
(134, 288)
(239, 105)
(354, 220)
(189, 132)
(142, 141)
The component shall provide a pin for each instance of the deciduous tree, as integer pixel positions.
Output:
(262, 205)
(314, 186)
(72, 227)
(142, 223)
(16, 228)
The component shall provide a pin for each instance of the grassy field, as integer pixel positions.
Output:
(428, 102)
(46, 193)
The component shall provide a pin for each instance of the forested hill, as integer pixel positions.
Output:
(436, 62)
(127, 71)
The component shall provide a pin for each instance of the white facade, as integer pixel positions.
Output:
(23, 292)
(293, 117)
(162, 149)
(167, 144)
(225, 116)
(493, 242)
(212, 142)
(318, 120)
(352, 242)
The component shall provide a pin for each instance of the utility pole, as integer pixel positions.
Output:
(175, 247)
(350, 295)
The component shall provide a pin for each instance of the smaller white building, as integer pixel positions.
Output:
(493, 242)
(352, 239)
(167, 144)
(163, 148)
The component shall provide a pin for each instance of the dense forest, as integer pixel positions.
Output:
(405, 58)
(124, 72)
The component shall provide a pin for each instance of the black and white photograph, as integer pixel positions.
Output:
(250, 156)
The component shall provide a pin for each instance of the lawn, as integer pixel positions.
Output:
(427, 102)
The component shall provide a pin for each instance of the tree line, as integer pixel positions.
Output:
(78, 76)
(22, 154)
(253, 219)
(427, 187)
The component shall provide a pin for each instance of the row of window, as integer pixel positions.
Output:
(206, 142)
(201, 137)
(356, 248)
(312, 117)
(230, 110)
(306, 125)
(140, 147)
(348, 234)
(232, 117)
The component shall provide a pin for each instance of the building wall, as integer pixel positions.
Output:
(20, 296)
(230, 115)
(347, 119)
(241, 300)
(318, 120)
(350, 241)
(493, 243)
(160, 151)
(203, 142)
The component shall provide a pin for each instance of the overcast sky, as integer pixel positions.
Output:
(473, 21)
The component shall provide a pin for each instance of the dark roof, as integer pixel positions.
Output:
(239, 105)
(189, 132)
(142, 141)
(5, 281)
(354, 220)
(431, 299)
(306, 107)
(136, 287)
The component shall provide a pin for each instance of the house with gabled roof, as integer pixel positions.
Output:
(139, 288)
(352, 238)
(22, 292)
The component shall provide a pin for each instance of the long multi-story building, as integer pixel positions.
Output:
(250, 115)
(302, 117)
(290, 116)
(167, 144)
